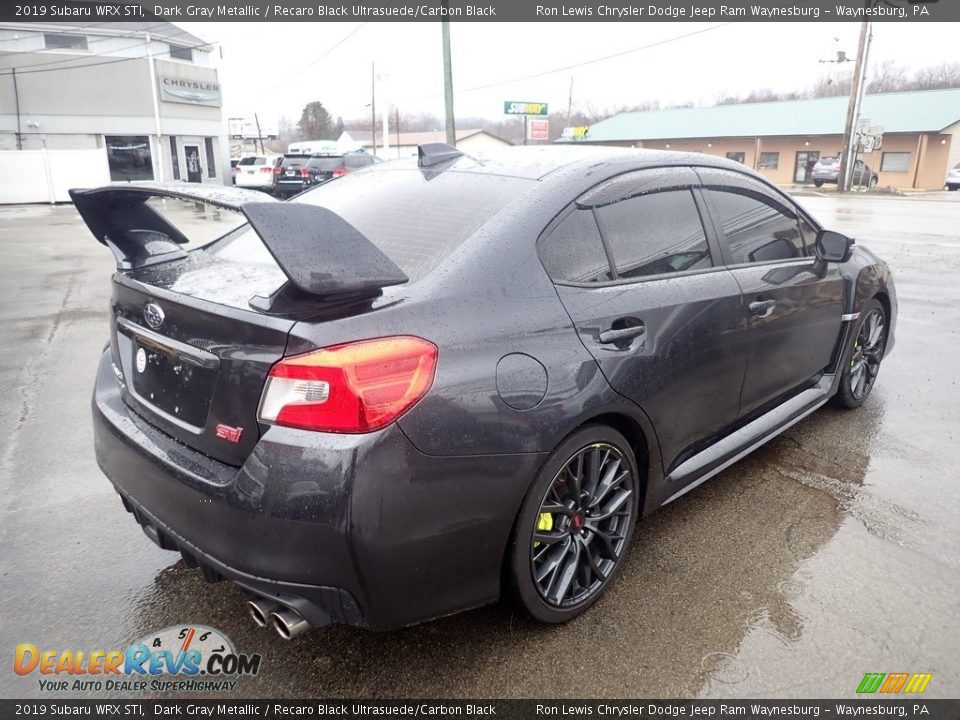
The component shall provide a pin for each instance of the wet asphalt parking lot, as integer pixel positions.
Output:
(831, 552)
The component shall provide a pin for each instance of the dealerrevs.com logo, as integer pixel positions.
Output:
(179, 658)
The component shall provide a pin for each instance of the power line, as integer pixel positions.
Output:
(593, 61)
(318, 58)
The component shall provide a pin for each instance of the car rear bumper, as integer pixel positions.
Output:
(258, 182)
(290, 187)
(356, 529)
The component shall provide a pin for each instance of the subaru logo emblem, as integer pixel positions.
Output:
(153, 314)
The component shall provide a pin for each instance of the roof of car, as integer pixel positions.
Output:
(539, 162)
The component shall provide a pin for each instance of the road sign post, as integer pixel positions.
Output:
(527, 110)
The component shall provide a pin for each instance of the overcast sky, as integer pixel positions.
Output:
(274, 69)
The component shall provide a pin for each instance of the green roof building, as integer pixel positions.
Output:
(783, 140)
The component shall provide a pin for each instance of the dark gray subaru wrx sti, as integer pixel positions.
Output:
(428, 384)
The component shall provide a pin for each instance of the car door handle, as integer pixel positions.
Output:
(762, 307)
(612, 336)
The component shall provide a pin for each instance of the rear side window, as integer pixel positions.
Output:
(417, 219)
(655, 234)
(355, 162)
(573, 251)
(294, 160)
(325, 164)
(755, 230)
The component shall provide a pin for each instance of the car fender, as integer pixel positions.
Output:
(867, 276)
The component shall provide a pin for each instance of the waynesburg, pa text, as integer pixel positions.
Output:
(728, 11)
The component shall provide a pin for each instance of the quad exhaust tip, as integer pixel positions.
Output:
(260, 610)
(288, 623)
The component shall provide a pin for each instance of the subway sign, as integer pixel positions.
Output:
(512, 107)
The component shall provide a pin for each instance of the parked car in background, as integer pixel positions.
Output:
(256, 171)
(233, 171)
(290, 175)
(355, 161)
(327, 167)
(953, 178)
(827, 171)
(304, 171)
(439, 381)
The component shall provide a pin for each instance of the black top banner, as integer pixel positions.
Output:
(909, 709)
(487, 10)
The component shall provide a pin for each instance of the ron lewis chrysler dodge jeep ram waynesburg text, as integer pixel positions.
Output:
(432, 383)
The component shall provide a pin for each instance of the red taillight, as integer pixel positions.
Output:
(277, 169)
(352, 388)
(339, 172)
(304, 172)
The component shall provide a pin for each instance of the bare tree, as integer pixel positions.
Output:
(888, 76)
(287, 132)
(832, 85)
(937, 77)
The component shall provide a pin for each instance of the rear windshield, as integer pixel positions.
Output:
(294, 160)
(325, 163)
(357, 161)
(247, 161)
(828, 161)
(416, 222)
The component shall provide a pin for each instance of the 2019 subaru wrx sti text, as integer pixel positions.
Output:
(431, 383)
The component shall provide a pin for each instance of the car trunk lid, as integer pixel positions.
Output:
(193, 367)
(194, 335)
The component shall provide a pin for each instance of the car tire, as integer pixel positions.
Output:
(818, 183)
(559, 577)
(874, 181)
(862, 364)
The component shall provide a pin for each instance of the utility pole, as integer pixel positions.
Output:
(397, 125)
(570, 102)
(448, 81)
(853, 107)
(16, 99)
(385, 143)
(259, 134)
(373, 107)
(385, 117)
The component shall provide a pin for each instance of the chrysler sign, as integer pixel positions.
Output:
(185, 90)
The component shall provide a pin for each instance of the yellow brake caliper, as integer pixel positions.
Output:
(544, 524)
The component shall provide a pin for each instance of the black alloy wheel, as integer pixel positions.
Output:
(860, 372)
(576, 524)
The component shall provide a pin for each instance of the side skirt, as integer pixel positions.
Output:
(733, 447)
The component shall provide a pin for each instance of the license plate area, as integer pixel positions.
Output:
(173, 379)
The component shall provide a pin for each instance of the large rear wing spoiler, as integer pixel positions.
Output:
(320, 253)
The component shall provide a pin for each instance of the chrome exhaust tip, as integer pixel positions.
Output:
(260, 610)
(288, 623)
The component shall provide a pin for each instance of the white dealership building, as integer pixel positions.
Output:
(90, 103)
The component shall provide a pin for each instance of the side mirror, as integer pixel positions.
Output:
(833, 247)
